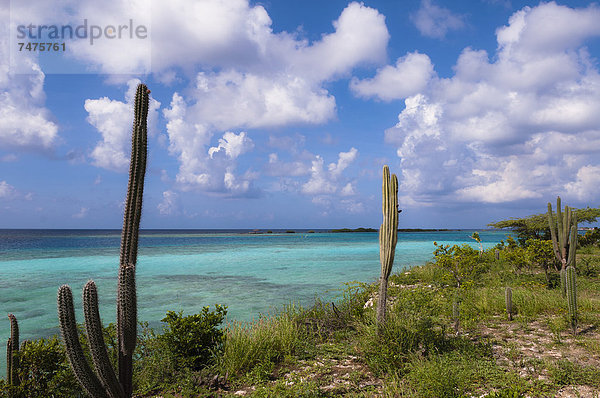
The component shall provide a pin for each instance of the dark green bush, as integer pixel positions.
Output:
(43, 372)
(462, 264)
(588, 267)
(193, 340)
(591, 238)
(154, 367)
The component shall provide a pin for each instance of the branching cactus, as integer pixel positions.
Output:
(509, 303)
(563, 231)
(571, 280)
(104, 382)
(12, 352)
(388, 236)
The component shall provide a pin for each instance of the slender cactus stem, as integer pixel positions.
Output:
(388, 237)
(12, 352)
(106, 384)
(68, 327)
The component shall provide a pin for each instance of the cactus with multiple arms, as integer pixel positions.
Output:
(104, 382)
(564, 234)
(12, 351)
(68, 327)
(388, 236)
(571, 282)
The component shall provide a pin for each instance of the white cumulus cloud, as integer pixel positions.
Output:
(113, 120)
(233, 144)
(409, 76)
(327, 182)
(521, 124)
(585, 186)
(201, 166)
(26, 123)
(274, 79)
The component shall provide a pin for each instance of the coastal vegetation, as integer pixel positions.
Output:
(361, 229)
(388, 237)
(335, 349)
(536, 226)
(514, 320)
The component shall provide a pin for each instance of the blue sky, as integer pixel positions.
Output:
(281, 114)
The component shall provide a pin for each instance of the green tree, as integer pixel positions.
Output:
(591, 238)
(541, 254)
(536, 226)
(461, 263)
(516, 256)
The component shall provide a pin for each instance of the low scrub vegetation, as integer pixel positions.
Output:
(447, 335)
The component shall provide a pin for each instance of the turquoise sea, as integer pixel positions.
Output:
(185, 270)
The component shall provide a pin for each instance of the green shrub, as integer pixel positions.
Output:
(324, 319)
(511, 243)
(413, 326)
(588, 267)
(354, 296)
(155, 365)
(591, 238)
(541, 254)
(43, 372)
(389, 349)
(193, 340)
(462, 264)
(518, 258)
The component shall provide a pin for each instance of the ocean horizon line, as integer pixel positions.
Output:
(248, 229)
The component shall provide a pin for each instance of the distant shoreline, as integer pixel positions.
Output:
(242, 231)
(399, 230)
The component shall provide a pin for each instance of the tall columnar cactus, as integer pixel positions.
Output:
(388, 236)
(563, 282)
(105, 382)
(12, 352)
(509, 303)
(571, 282)
(563, 231)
